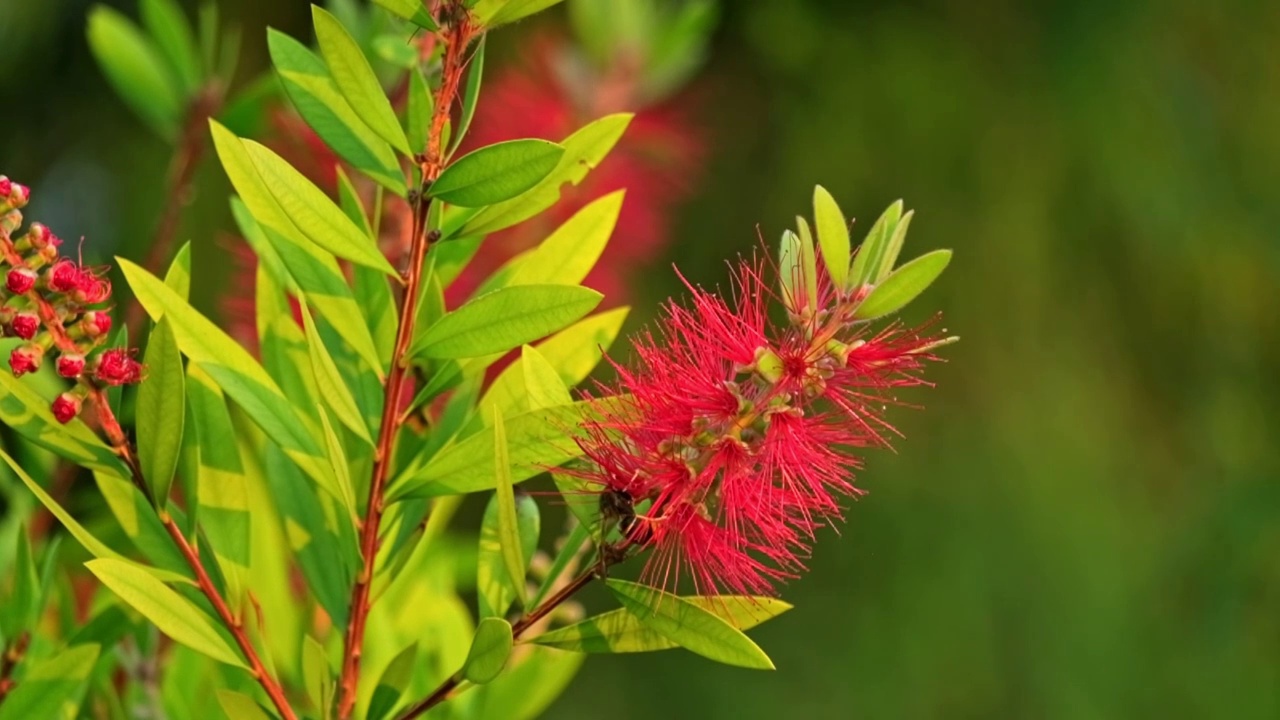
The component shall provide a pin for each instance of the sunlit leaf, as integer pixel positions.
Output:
(620, 631)
(355, 78)
(240, 707)
(904, 285)
(392, 683)
(172, 34)
(161, 412)
(867, 261)
(504, 319)
(489, 651)
(496, 172)
(411, 10)
(833, 236)
(471, 94)
(493, 13)
(52, 689)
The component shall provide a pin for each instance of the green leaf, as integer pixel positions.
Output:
(690, 626)
(867, 261)
(317, 675)
(798, 285)
(235, 371)
(138, 520)
(161, 412)
(337, 396)
(471, 94)
(86, 539)
(904, 285)
(572, 546)
(583, 150)
(318, 217)
(19, 609)
(504, 319)
(24, 410)
(569, 253)
(172, 33)
(493, 13)
(392, 683)
(52, 689)
(418, 116)
(173, 614)
(314, 94)
(240, 707)
(411, 10)
(833, 236)
(221, 488)
(355, 78)
(542, 384)
(508, 529)
(495, 587)
(136, 70)
(894, 248)
(496, 173)
(490, 649)
(396, 50)
(525, 691)
(620, 631)
(536, 440)
(340, 486)
(178, 277)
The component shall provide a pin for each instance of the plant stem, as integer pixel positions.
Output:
(120, 443)
(441, 693)
(12, 656)
(431, 163)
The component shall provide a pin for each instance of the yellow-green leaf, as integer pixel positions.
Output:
(490, 649)
(356, 79)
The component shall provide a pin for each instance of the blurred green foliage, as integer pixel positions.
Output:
(1085, 522)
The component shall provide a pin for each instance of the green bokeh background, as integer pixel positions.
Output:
(1085, 521)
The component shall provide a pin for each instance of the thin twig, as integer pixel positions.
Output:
(431, 164)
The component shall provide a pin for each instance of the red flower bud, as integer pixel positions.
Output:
(20, 280)
(6, 186)
(66, 407)
(96, 323)
(41, 237)
(92, 290)
(25, 359)
(117, 367)
(25, 325)
(70, 365)
(64, 276)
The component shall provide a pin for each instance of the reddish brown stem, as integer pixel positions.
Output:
(12, 656)
(446, 688)
(120, 443)
(458, 36)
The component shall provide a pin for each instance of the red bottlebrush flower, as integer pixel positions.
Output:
(66, 407)
(738, 432)
(92, 289)
(25, 359)
(20, 280)
(64, 276)
(96, 323)
(70, 365)
(117, 367)
(25, 325)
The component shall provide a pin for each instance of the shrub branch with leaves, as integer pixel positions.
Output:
(290, 509)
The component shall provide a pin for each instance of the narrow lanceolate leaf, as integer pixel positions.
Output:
(356, 79)
(833, 236)
(52, 688)
(138, 519)
(496, 173)
(543, 386)
(489, 651)
(508, 531)
(904, 285)
(583, 150)
(471, 94)
(161, 412)
(504, 319)
(337, 396)
(866, 263)
(619, 631)
(27, 412)
(172, 34)
(87, 540)
(237, 706)
(173, 614)
(495, 587)
(340, 486)
(493, 13)
(390, 687)
(690, 626)
(20, 606)
(791, 272)
(311, 89)
(412, 10)
(421, 107)
(178, 276)
(569, 253)
(136, 69)
(313, 212)
(894, 248)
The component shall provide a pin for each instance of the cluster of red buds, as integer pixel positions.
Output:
(57, 307)
(736, 434)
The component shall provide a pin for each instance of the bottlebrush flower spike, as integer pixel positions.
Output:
(58, 310)
(739, 432)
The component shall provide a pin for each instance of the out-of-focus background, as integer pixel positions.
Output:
(1084, 521)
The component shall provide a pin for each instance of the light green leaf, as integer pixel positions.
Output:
(793, 267)
(542, 384)
(221, 488)
(504, 319)
(396, 50)
(86, 539)
(489, 651)
(471, 94)
(20, 606)
(904, 285)
(52, 689)
(583, 150)
(392, 683)
(173, 614)
(619, 631)
(313, 93)
(172, 33)
(337, 396)
(161, 412)
(496, 173)
(24, 410)
(340, 486)
(317, 675)
(411, 10)
(322, 221)
(525, 691)
(495, 588)
(569, 253)
(833, 236)
(894, 248)
(867, 261)
(418, 116)
(178, 277)
(138, 520)
(136, 70)
(355, 78)
(692, 627)
(508, 529)
(493, 13)
(240, 707)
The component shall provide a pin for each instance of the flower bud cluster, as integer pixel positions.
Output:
(56, 306)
